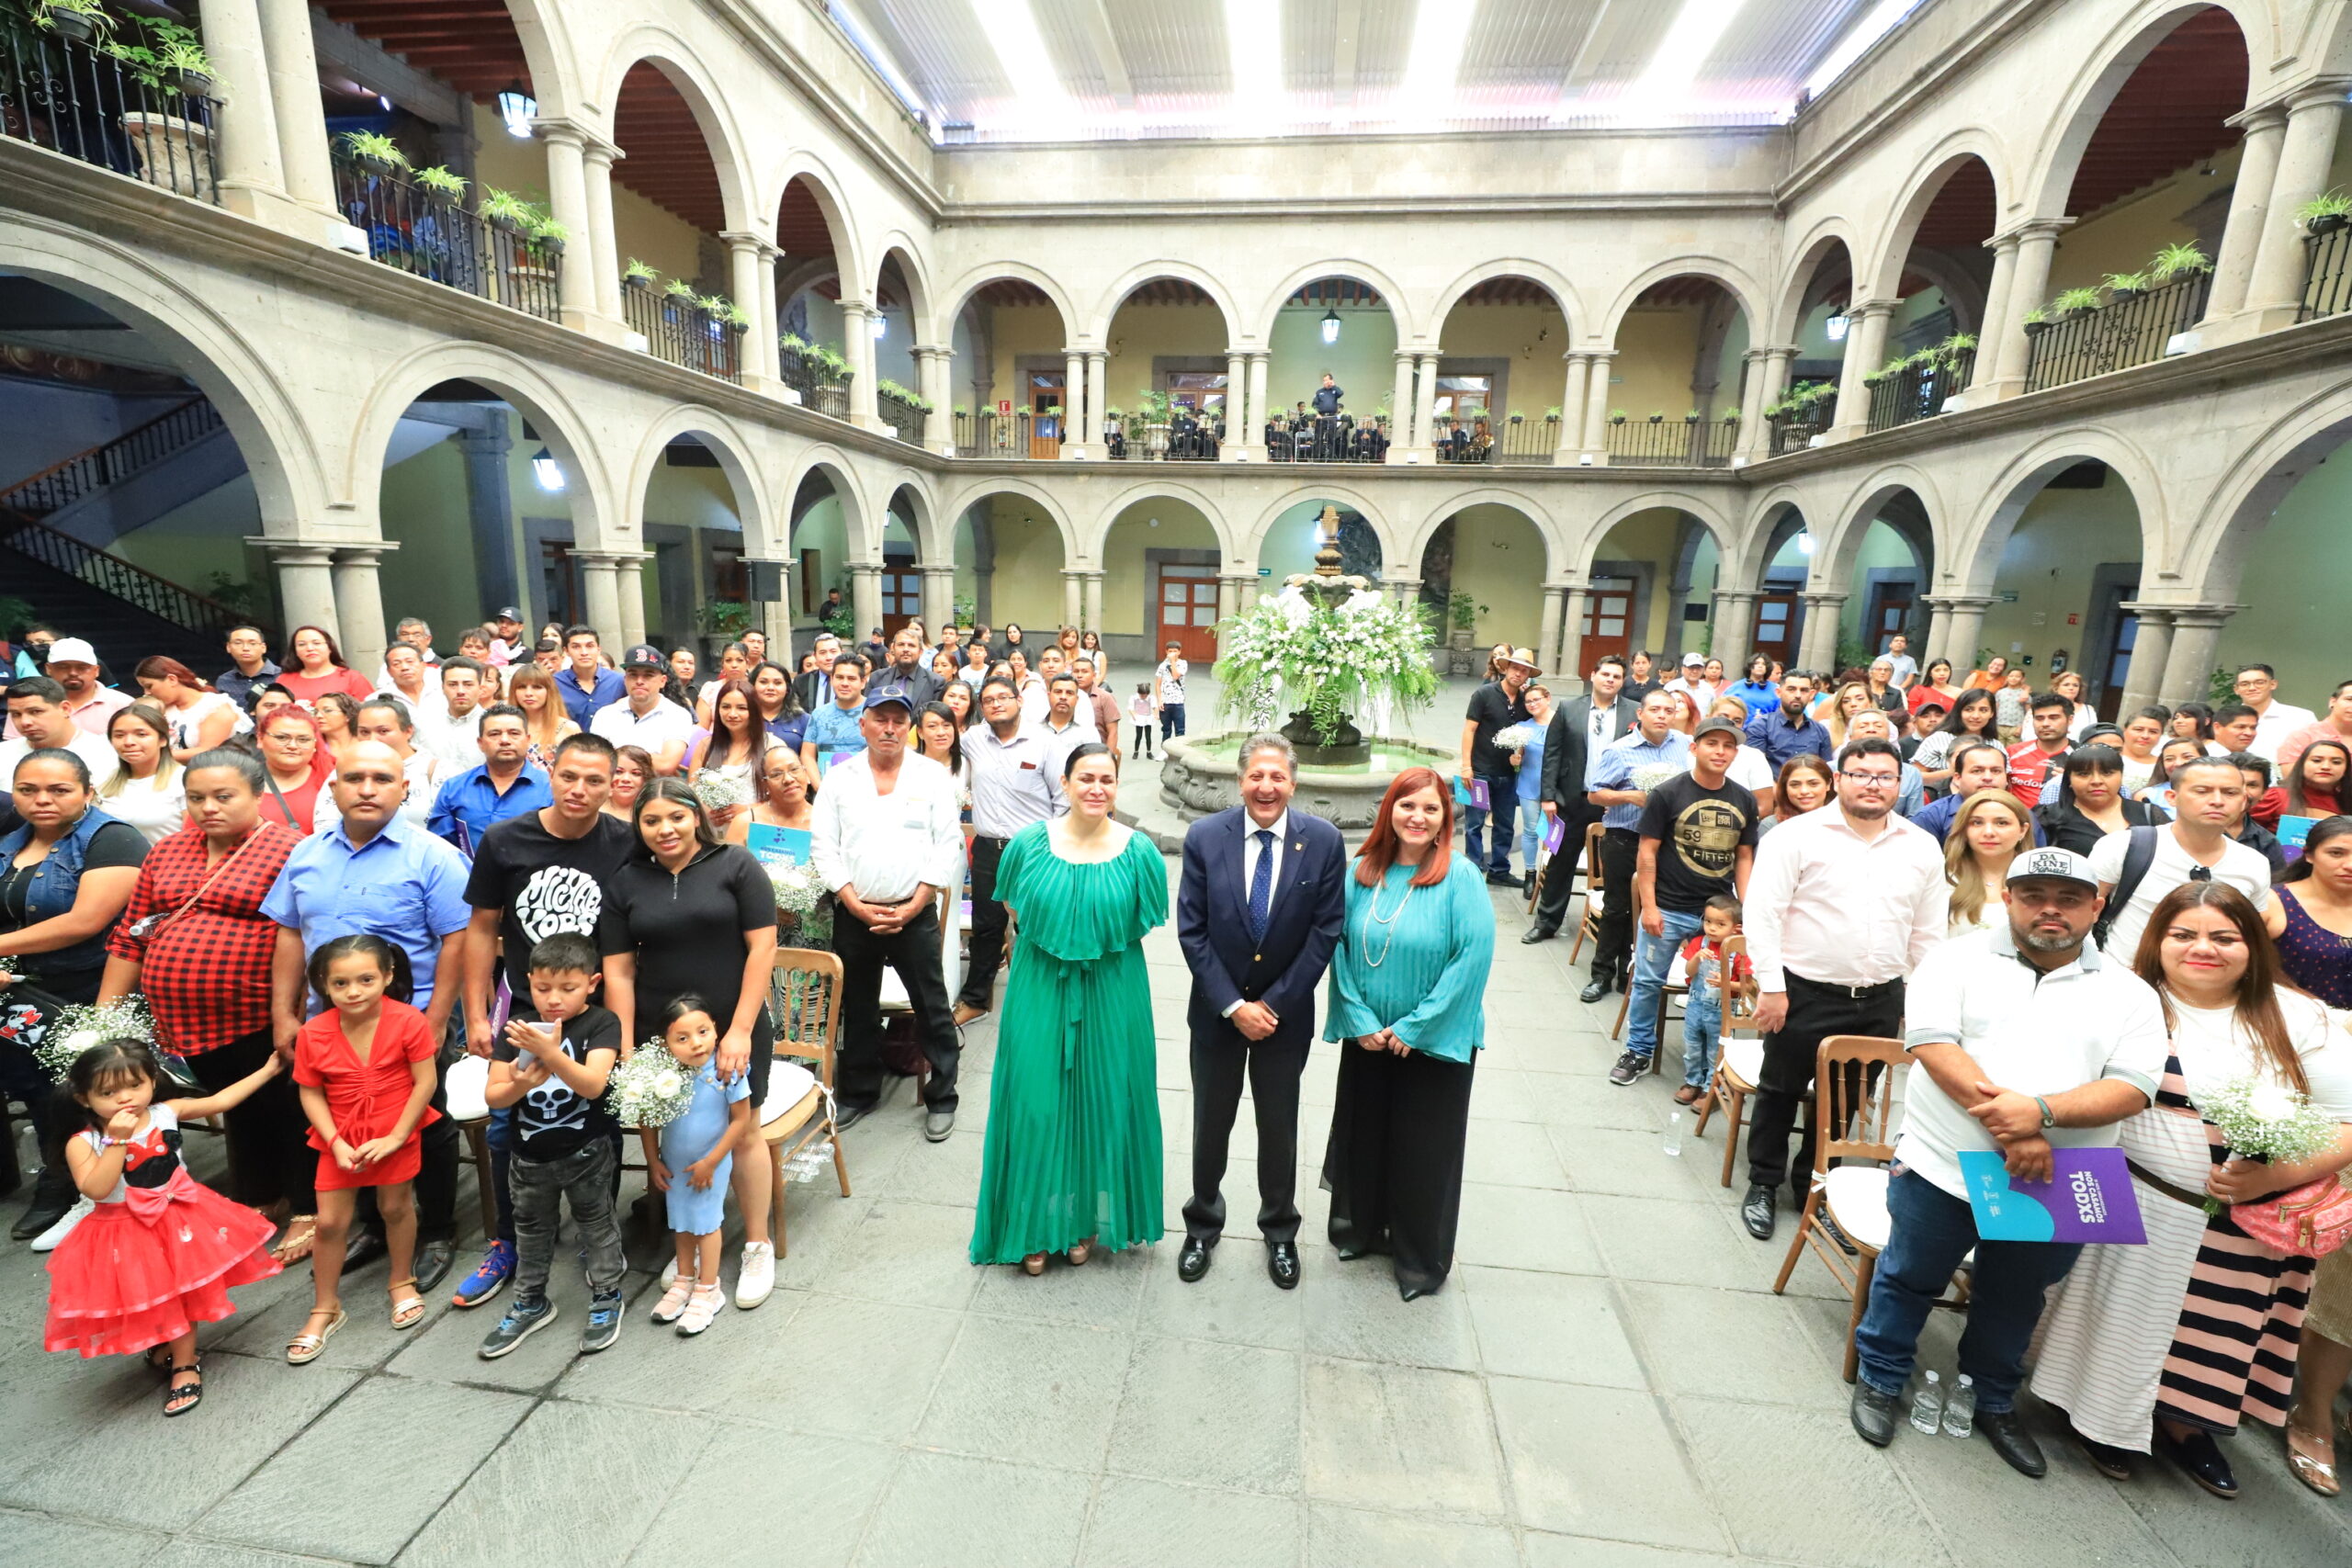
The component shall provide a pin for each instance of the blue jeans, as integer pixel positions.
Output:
(1504, 794)
(1702, 1036)
(1931, 1231)
(1652, 956)
(1531, 823)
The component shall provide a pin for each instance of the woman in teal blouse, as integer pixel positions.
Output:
(1408, 987)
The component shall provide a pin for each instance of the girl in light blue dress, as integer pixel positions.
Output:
(691, 1160)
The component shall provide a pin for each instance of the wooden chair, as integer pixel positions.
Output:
(1854, 1092)
(1595, 894)
(805, 1009)
(1739, 1064)
(894, 995)
(464, 1084)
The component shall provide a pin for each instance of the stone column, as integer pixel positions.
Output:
(2151, 646)
(1074, 425)
(935, 367)
(1400, 410)
(597, 157)
(1425, 405)
(2260, 131)
(583, 256)
(1938, 631)
(1258, 373)
(359, 604)
(1569, 439)
(864, 411)
(1237, 446)
(1964, 623)
(1098, 376)
(600, 594)
(1865, 346)
(751, 268)
(305, 585)
(1734, 623)
(1822, 609)
(938, 598)
(1572, 613)
(294, 94)
(1228, 599)
(1758, 369)
(1996, 310)
(253, 171)
(865, 596)
(1596, 405)
(2274, 292)
(630, 588)
(1093, 605)
(2196, 642)
(1073, 595)
(775, 616)
(1547, 640)
(2037, 238)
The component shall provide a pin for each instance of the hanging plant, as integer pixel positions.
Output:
(636, 274)
(2325, 213)
(504, 209)
(79, 20)
(2075, 303)
(2037, 322)
(678, 288)
(1690, 416)
(1955, 345)
(1657, 416)
(373, 151)
(1553, 413)
(440, 181)
(549, 235)
(2179, 257)
(2126, 284)
(1616, 416)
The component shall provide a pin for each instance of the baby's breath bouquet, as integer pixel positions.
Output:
(721, 791)
(653, 1088)
(2264, 1120)
(79, 1027)
(798, 888)
(1517, 736)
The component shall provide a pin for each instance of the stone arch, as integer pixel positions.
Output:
(544, 34)
(922, 520)
(1399, 313)
(1702, 509)
(861, 523)
(1833, 563)
(1775, 520)
(2327, 38)
(2212, 554)
(1374, 518)
(825, 187)
(1547, 527)
(1733, 280)
(1098, 533)
(722, 138)
(1973, 556)
(1097, 330)
(1563, 293)
(265, 417)
(923, 326)
(978, 491)
(1790, 308)
(1926, 182)
(597, 523)
(731, 445)
(959, 294)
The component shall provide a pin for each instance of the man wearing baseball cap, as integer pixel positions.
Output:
(1497, 705)
(73, 664)
(507, 646)
(644, 719)
(2027, 1038)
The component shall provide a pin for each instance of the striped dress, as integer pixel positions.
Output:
(2201, 1325)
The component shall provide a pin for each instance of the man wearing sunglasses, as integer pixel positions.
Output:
(1842, 903)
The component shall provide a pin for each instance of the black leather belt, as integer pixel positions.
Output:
(1855, 993)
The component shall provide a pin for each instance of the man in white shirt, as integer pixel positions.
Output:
(2256, 686)
(405, 678)
(2026, 1039)
(446, 728)
(1904, 668)
(1038, 695)
(2208, 793)
(887, 836)
(645, 719)
(1692, 683)
(1006, 768)
(40, 720)
(1842, 903)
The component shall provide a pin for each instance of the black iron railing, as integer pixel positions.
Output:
(903, 417)
(1918, 391)
(2114, 337)
(2327, 275)
(62, 484)
(678, 329)
(1328, 438)
(431, 235)
(821, 390)
(1792, 434)
(1673, 443)
(140, 589)
(74, 99)
(1187, 439)
(1482, 440)
(988, 433)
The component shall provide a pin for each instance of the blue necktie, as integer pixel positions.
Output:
(1261, 883)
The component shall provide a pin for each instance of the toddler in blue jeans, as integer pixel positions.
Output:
(1702, 1008)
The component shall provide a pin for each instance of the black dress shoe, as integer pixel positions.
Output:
(848, 1116)
(363, 1248)
(1594, 992)
(1874, 1413)
(1193, 1261)
(1282, 1264)
(2112, 1462)
(1756, 1211)
(2013, 1442)
(1534, 934)
(53, 1194)
(1415, 1292)
(433, 1261)
(2201, 1456)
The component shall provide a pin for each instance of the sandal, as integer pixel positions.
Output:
(408, 1307)
(306, 1346)
(301, 1234)
(179, 1400)
(2318, 1474)
(1079, 1255)
(1034, 1264)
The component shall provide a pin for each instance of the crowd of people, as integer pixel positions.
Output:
(2084, 935)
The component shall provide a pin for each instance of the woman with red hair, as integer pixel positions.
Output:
(201, 717)
(296, 764)
(1408, 985)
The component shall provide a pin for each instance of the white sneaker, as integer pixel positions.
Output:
(47, 1241)
(669, 1272)
(755, 1276)
(702, 1305)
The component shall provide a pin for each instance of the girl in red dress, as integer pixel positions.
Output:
(158, 1254)
(365, 1070)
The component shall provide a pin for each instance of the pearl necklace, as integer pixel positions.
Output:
(1374, 916)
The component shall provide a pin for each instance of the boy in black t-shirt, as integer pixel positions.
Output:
(567, 1145)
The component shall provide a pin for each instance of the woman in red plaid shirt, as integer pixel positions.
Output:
(194, 941)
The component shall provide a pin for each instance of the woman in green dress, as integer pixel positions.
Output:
(1072, 1157)
(1408, 986)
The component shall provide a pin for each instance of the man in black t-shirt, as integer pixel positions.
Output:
(1498, 704)
(535, 876)
(1698, 835)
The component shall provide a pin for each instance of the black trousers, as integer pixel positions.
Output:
(1393, 1164)
(1560, 871)
(1218, 1064)
(986, 953)
(1815, 1012)
(270, 1158)
(912, 953)
(1621, 849)
(438, 1148)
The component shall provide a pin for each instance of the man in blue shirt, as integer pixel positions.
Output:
(1975, 765)
(1619, 782)
(833, 733)
(376, 874)
(502, 785)
(585, 685)
(1786, 732)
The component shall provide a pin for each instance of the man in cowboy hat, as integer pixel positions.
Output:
(1497, 705)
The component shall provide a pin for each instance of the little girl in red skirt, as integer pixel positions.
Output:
(157, 1254)
(365, 1070)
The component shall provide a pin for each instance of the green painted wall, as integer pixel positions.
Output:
(2061, 540)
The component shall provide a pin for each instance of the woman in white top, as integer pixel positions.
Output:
(2143, 732)
(2068, 684)
(2174, 1342)
(1090, 645)
(732, 749)
(148, 790)
(201, 717)
(1990, 830)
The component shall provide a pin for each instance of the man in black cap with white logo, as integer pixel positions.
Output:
(645, 719)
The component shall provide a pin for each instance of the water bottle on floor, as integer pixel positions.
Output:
(1927, 1404)
(1673, 1145)
(1959, 1411)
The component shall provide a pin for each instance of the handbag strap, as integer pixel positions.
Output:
(210, 877)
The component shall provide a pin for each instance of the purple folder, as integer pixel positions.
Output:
(2089, 1198)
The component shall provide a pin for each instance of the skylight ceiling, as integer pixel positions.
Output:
(1071, 70)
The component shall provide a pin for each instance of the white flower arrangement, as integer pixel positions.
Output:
(79, 1027)
(1287, 653)
(653, 1088)
(1517, 736)
(721, 791)
(2262, 1120)
(798, 888)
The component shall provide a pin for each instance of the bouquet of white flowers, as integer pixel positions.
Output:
(798, 888)
(653, 1088)
(719, 791)
(1517, 736)
(2266, 1120)
(79, 1027)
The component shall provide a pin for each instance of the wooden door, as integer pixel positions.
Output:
(1608, 619)
(1776, 625)
(1045, 429)
(2110, 667)
(1187, 613)
(901, 597)
(559, 582)
(1890, 614)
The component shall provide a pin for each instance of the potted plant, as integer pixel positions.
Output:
(2325, 213)
(638, 275)
(2126, 284)
(1657, 416)
(2074, 304)
(736, 319)
(1156, 415)
(1616, 416)
(548, 235)
(1690, 416)
(374, 152)
(1955, 345)
(2179, 257)
(440, 185)
(172, 53)
(1552, 414)
(505, 210)
(79, 20)
(1517, 417)
(2037, 320)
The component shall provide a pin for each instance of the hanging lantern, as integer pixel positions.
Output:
(1330, 326)
(546, 471)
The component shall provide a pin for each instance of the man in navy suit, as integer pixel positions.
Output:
(1258, 913)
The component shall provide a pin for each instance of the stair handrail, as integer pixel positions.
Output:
(158, 597)
(95, 458)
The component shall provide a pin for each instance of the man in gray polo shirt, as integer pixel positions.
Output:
(1016, 779)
